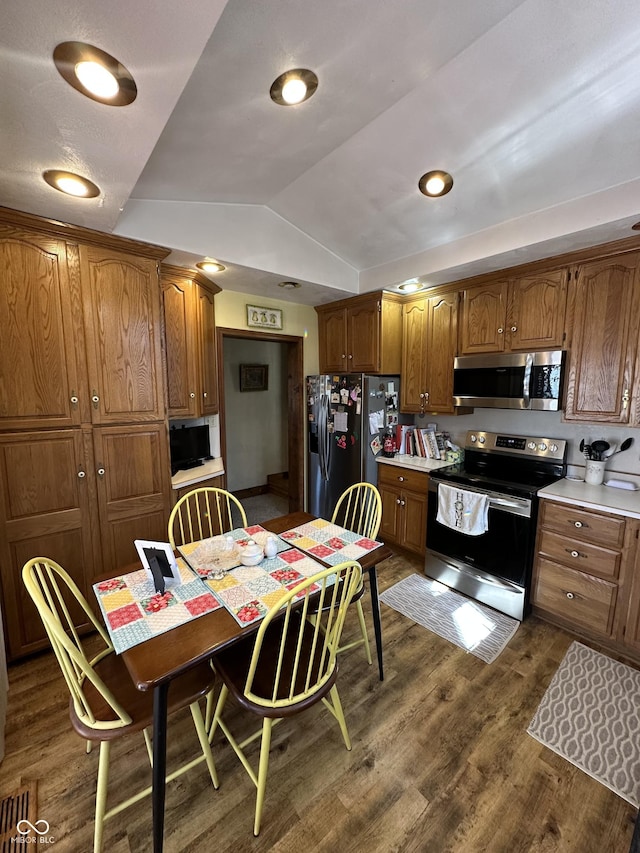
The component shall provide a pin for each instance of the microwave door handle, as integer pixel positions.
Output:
(526, 382)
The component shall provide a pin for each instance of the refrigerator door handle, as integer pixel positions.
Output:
(324, 443)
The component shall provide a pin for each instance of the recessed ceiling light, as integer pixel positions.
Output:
(96, 74)
(210, 266)
(289, 285)
(410, 286)
(435, 183)
(71, 184)
(293, 87)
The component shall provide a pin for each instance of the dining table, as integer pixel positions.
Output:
(152, 664)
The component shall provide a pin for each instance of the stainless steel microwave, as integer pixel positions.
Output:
(527, 380)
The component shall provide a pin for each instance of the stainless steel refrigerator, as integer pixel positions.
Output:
(346, 416)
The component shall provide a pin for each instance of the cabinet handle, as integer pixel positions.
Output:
(570, 595)
(100, 472)
(81, 475)
(95, 399)
(204, 394)
(421, 396)
(398, 501)
(500, 330)
(350, 356)
(426, 396)
(192, 395)
(401, 503)
(514, 328)
(579, 524)
(573, 553)
(344, 355)
(401, 479)
(73, 399)
(625, 398)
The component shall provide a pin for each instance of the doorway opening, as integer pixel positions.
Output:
(262, 427)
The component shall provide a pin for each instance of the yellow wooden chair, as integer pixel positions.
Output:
(203, 513)
(105, 704)
(289, 666)
(359, 509)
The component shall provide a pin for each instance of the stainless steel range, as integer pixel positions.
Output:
(506, 472)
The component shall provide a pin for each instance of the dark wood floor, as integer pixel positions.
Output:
(441, 761)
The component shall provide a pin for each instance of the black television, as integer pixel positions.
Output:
(189, 447)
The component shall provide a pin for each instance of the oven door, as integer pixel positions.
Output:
(495, 567)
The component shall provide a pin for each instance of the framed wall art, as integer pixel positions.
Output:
(264, 318)
(254, 377)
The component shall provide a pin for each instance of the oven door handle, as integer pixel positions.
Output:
(483, 578)
(505, 503)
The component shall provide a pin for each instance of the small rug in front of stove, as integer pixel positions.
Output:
(590, 715)
(465, 623)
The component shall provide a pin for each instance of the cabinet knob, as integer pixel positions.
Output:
(204, 394)
(401, 479)
(625, 398)
(100, 472)
(570, 595)
(81, 475)
(73, 400)
(95, 399)
(344, 355)
(398, 501)
(514, 328)
(577, 524)
(500, 331)
(192, 395)
(350, 356)
(573, 553)
(401, 503)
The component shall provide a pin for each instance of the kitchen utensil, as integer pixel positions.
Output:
(585, 449)
(626, 444)
(598, 448)
(610, 451)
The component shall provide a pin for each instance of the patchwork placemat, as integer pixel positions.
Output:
(207, 556)
(248, 592)
(133, 611)
(329, 542)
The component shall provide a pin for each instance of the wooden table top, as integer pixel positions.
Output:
(165, 656)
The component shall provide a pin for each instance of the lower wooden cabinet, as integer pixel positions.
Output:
(585, 574)
(404, 507)
(218, 482)
(80, 496)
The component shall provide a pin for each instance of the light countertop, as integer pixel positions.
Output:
(606, 498)
(416, 462)
(191, 476)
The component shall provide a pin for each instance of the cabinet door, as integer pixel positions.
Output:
(122, 319)
(41, 344)
(179, 306)
(442, 324)
(414, 356)
(484, 313)
(363, 338)
(207, 336)
(390, 524)
(332, 340)
(47, 508)
(134, 489)
(414, 523)
(605, 341)
(536, 311)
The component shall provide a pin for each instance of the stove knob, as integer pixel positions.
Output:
(542, 446)
(473, 439)
(481, 439)
(532, 445)
(553, 448)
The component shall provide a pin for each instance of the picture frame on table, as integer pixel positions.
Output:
(160, 562)
(264, 318)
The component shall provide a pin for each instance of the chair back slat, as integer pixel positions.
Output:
(306, 648)
(203, 513)
(359, 509)
(52, 590)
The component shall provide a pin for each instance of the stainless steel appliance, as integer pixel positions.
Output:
(341, 412)
(526, 380)
(495, 566)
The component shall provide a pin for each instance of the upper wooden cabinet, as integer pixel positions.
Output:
(361, 335)
(429, 340)
(520, 314)
(42, 374)
(189, 319)
(600, 383)
(124, 351)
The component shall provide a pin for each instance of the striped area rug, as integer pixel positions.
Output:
(590, 715)
(465, 623)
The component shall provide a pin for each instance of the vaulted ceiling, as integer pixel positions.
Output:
(533, 106)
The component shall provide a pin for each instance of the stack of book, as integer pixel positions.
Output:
(422, 442)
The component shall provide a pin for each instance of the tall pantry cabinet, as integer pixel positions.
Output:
(84, 460)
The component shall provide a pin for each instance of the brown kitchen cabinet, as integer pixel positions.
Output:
(583, 573)
(604, 345)
(429, 341)
(361, 335)
(520, 314)
(404, 507)
(189, 322)
(84, 459)
(217, 482)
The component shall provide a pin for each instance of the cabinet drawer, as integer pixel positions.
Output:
(575, 597)
(580, 556)
(606, 530)
(405, 478)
